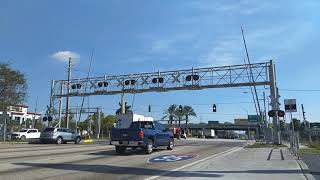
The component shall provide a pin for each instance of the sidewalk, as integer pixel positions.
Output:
(250, 163)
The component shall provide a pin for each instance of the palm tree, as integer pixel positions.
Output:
(188, 111)
(127, 108)
(179, 113)
(170, 113)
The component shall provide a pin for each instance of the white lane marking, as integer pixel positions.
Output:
(230, 151)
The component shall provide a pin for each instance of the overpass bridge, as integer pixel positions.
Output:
(218, 127)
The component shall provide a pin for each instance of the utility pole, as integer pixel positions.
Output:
(305, 123)
(274, 103)
(5, 128)
(50, 110)
(123, 108)
(98, 124)
(68, 92)
(35, 113)
(60, 104)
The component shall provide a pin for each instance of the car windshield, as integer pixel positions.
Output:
(23, 130)
(48, 130)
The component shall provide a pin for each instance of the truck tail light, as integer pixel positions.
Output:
(141, 134)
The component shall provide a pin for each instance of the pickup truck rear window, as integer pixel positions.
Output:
(141, 124)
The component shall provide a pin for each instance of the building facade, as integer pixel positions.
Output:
(20, 114)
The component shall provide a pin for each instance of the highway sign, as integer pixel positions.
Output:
(290, 105)
(254, 118)
(171, 158)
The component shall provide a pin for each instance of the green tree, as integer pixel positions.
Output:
(282, 125)
(188, 111)
(296, 124)
(127, 108)
(13, 87)
(170, 113)
(38, 125)
(179, 114)
(107, 123)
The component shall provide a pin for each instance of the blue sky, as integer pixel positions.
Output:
(143, 36)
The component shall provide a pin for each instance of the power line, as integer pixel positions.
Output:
(302, 90)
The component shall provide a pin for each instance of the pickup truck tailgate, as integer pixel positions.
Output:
(124, 134)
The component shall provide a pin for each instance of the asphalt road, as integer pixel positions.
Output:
(99, 160)
(313, 162)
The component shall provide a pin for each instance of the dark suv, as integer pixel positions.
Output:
(59, 136)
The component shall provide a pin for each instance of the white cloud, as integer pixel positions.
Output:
(161, 45)
(225, 51)
(64, 56)
(170, 44)
(244, 7)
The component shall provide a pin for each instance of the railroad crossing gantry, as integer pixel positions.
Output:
(163, 81)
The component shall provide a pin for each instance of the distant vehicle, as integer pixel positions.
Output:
(176, 132)
(25, 134)
(209, 133)
(184, 135)
(142, 134)
(59, 136)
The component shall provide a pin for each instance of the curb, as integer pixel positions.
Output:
(304, 167)
(88, 140)
(95, 140)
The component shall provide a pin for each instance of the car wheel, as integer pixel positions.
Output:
(120, 149)
(77, 141)
(59, 140)
(149, 147)
(171, 144)
(23, 138)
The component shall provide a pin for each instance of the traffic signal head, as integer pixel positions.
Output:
(180, 109)
(214, 108)
(149, 109)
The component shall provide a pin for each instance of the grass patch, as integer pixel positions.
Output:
(313, 148)
(264, 145)
(309, 151)
(314, 145)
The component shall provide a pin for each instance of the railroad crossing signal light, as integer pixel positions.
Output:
(47, 118)
(272, 113)
(280, 113)
(214, 108)
(149, 109)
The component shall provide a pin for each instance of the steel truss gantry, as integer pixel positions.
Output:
(163, 81)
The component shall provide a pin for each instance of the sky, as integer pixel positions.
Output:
(36, 37)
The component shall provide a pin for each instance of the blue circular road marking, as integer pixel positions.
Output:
(171, 158)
